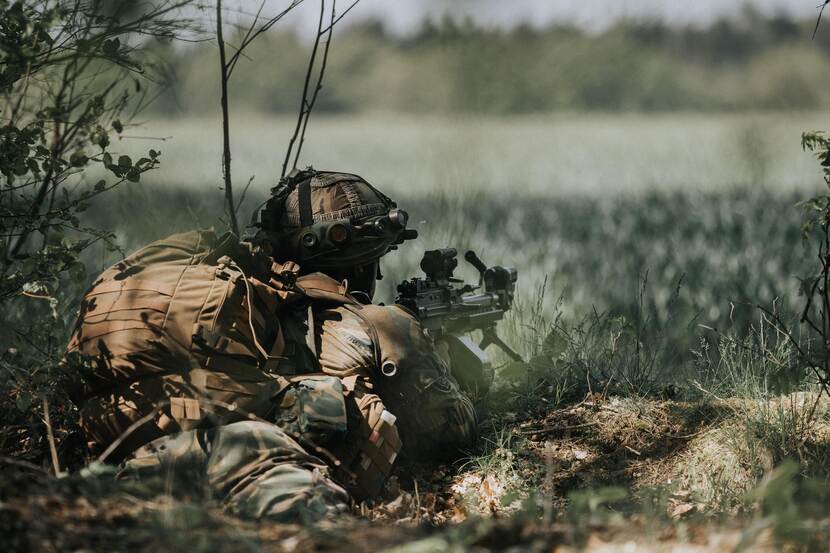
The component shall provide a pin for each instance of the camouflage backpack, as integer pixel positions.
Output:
(184, 333)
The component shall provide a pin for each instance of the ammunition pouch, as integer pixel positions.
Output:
(313, 408)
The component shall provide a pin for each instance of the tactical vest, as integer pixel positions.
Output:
(184, 333)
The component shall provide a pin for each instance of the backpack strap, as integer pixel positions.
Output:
(318, 286)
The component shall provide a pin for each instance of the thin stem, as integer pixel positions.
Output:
(304, 99)
(230, 210)
(347, 10)
(319, 85)
(818, 19)
(251, 34)
(53, 450)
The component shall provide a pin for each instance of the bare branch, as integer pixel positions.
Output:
(244, 193)
(319, 84)
(304, 100)
(347, 10)
(53, 450)
(252, 33)
(820, 13)
(230, 210)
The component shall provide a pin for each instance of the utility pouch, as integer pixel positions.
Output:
(315, 408)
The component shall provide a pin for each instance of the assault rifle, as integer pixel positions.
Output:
(449, 310)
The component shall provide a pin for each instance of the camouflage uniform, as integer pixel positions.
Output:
(255, 468)
(388, 350)
(356, 384)
(260, 469)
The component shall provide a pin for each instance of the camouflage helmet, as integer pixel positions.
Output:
(329, 220)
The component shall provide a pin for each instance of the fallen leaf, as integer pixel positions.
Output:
(678, 510)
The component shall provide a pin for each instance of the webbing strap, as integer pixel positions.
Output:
(304, 201)
(132, 284)
(352, 196)
(125, 302)
(92, 330)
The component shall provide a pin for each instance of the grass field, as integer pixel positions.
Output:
(589, 205)
(551, 155)
(648, 411)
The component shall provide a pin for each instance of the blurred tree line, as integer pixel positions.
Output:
(754, 62)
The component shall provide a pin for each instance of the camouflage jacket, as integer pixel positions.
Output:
(383, 363)
(392, 357)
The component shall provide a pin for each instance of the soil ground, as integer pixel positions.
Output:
(560, 482)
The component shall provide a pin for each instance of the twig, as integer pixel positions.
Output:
(634, 451)
(700, 387)
(137, 137)
(347, 10)
(226, 67)
(319, 84)
(129, 430)
(230, 210)
(818, 20)
(244, 193)
(53, 450)
(555, 428)
(306, 82)
(417, 503)
(251, 34)
(682, 436)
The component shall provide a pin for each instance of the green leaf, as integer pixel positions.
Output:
(78, 159)
(119, 128)
(101, 138)
(510, 497)
(23, 402)
(107, 160)
(100, 186)
(111, 46)
(125, 162)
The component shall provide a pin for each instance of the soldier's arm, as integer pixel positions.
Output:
(386, 348)
(436, 419)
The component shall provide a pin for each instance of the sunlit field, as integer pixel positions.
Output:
(546, 155)
(644, 245)
(586, 206)
(646, 178)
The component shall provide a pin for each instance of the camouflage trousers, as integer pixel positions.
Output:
(254, 468)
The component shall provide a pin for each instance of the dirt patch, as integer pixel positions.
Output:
(615, 442)
(600, 475)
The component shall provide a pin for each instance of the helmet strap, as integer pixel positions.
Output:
(304, 200)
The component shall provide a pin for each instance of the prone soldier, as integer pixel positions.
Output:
(260, 371)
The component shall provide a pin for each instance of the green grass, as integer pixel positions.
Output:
(666, 261)
(661, 235)
(643, 246)
(587, 204)
(555, 155)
